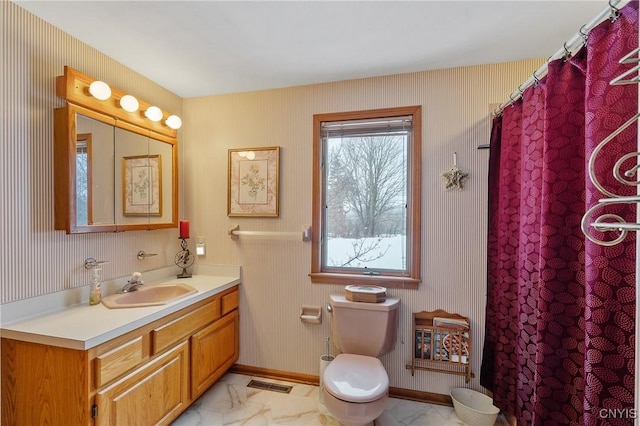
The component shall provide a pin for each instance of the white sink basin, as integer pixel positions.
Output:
(149, 295)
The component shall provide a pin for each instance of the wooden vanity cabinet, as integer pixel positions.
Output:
(145, 377)
(214, 350)
(44, 385)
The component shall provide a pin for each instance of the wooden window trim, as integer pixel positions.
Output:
(413, 278)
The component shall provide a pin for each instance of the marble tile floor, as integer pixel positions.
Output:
(231, 402)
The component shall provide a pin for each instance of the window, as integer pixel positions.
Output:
(366, 197)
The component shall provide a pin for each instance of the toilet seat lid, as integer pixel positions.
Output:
(356, 378)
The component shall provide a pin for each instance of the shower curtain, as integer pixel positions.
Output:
(560, 332)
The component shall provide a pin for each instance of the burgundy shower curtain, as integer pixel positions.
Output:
(560, 336)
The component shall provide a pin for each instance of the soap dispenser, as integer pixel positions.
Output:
(94, 287)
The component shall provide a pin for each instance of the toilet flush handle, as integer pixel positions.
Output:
(329, 308)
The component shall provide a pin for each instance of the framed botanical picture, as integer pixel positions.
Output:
(253, 182)
(142, 185)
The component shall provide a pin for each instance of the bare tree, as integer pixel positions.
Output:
(363, 252)
(82, 186)
(367, 181)
(337, 196)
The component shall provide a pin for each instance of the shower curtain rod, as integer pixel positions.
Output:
(567, 49)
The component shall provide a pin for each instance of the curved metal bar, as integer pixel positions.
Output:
(606, 226)
(633, 171)
(596, 151)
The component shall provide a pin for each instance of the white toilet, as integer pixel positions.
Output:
(355, 384)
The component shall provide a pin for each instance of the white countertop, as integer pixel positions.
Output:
(81, 326)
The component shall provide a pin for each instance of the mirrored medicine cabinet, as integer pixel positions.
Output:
(114, 170)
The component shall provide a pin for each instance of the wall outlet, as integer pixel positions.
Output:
(200, 246)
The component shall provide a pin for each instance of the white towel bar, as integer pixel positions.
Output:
(235, 232)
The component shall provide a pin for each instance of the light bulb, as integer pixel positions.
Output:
(174, 122)
(153, 113)
(100, 90)
(129, 103)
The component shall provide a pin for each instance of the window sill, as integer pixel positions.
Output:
(352, 279)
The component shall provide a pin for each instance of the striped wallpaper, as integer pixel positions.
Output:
(38, 260)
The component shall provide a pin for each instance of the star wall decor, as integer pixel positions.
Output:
(454, 178)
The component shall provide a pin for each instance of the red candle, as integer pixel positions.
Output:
(184, 229)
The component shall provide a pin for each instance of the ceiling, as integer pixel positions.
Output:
(200, 48)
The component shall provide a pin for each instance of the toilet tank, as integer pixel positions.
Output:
(364, 328)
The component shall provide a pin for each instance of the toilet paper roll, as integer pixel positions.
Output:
(324, 362)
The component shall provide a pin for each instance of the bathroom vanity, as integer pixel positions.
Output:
(90, 365)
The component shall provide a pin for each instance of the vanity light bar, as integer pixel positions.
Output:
(83, 90)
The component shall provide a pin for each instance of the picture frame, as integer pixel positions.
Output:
(253, 182)
(142, 185)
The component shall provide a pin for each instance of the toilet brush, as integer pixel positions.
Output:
(328, 351)
(324, 362)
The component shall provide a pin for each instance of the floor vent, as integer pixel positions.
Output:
(269, 386)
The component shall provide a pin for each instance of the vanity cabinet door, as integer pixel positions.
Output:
(152, 395)
(214, 349)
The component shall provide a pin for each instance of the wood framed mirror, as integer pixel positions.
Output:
(111, 174)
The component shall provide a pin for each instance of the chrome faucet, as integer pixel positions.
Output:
(133, 284)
